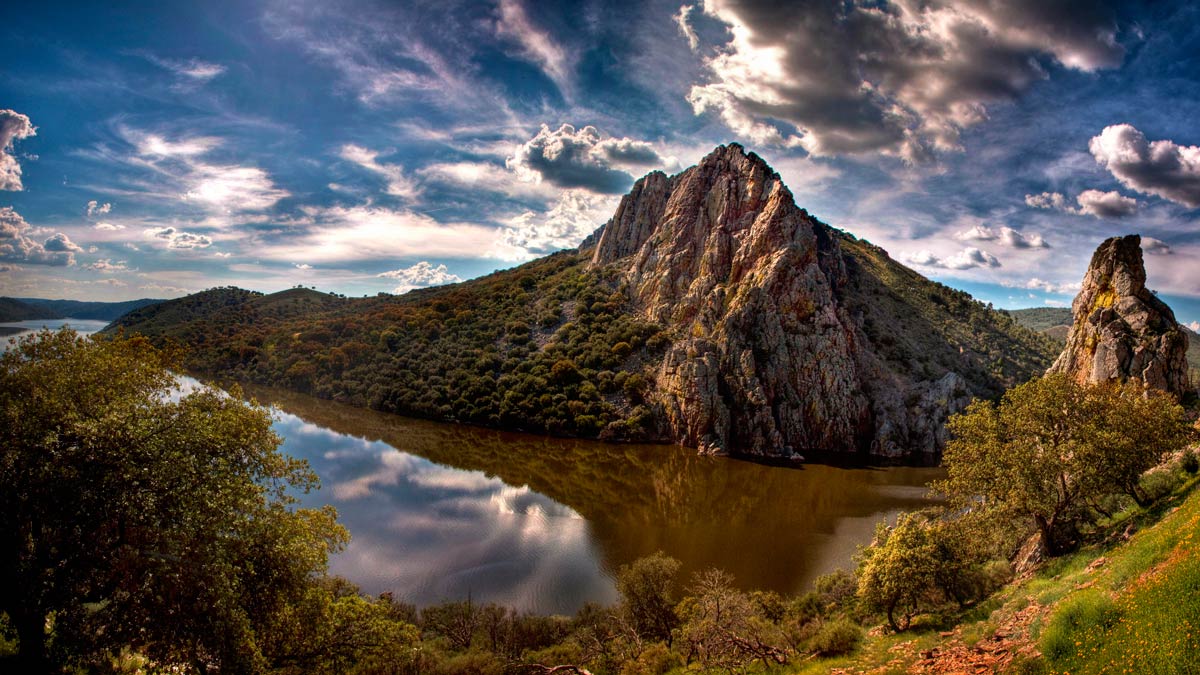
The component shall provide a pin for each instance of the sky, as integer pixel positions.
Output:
(162, 148)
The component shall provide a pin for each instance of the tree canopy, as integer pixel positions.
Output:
(134, 515)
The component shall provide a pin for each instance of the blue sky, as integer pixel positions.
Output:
(164, 148)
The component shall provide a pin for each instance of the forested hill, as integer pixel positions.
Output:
(549, 346)
(22, 309)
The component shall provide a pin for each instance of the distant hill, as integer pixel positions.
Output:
(710, 311)
(12, 309)
(79, 309)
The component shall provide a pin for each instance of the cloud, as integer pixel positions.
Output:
(895, 77)
(488, 177)
(192, 69)
(17, 246)
(970, 257)
(683, 20)
(13, 127)
(95, 208)
(1036, 284)
(398, 184)
(159, 288)
(1152, 246)
(1005, 235)
(108, 227)
(1195, 326)
(303, 266)
(348, 233)
(583, 159)
(1108, 205)
(420, 275)
(177, 239)
(1159, 168)
(107, 266)
(537, 45)
(564, 225)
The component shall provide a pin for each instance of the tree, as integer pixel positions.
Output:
(897, 573)
(137, 516)
(647, 589)
(1052, 446)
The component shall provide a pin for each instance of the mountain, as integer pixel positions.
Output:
(709, 311)
(1043, 319)
(12, 309)
(1121, 330)
(79, 309)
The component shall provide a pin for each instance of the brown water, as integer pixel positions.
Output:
(441, 511)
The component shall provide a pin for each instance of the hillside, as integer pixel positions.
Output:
(79, 309)
(12, 309)
(608, 340)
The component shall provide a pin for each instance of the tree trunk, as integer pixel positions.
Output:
(1046, 527)
(31, 632)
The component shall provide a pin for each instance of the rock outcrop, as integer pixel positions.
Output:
(1121, 331)
(765, 359)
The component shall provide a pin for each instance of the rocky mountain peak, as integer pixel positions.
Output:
(1121, 330)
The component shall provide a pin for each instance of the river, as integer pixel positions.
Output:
(442, 512)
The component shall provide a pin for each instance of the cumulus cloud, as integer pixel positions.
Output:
(1005, 235)
(178, 239)
(108, 227)
(564, 225)
(13, 127)
(1195, 326)
(968, 258)
(303, 266)
(1152, 246)
(420, 275)
(1161, 168)
(108, 266)
(1036, 284)
(571, 158)
(17, 246)
(96, 208)
(536, 45)
(683, 20)
(896, 77)
(1109, 205)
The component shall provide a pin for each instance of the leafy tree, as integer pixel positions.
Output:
(647, 589)
(136, 516)
(1052, 447)
(898, 572)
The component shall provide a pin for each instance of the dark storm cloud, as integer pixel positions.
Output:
(901, 78)
(1160, 168)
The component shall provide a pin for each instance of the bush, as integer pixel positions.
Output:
(1189, 462)
(836, 638)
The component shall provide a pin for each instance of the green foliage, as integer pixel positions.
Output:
(137, 519)
(1189, 462)
(1092, 612)
(1052, 448)
(647, 589)
(837, 637)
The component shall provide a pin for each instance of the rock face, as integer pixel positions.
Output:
(1121, 330)
(765, 359)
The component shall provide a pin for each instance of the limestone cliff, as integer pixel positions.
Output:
(767, 359)
(1120, 329)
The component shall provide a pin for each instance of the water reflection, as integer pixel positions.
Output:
(440, 511)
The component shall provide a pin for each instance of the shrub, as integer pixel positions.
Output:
(836, 638)
(1189, 462)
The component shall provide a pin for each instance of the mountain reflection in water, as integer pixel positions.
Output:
(441, 511)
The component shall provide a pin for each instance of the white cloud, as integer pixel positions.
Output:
(1161, 168)
(177, 239)
(1195, 326)
(899, 78)
(420, 275)
(13, 127)
(108, 227)
(107, 266)
(569, 221)
(571, 158)
(398, 184)
(488, 177)
(96, 208)
(1095, 203)
(682, 19)
(1005, 235)
(303, 266)
(1036, 284)
(1154, 246)
(341, 233)
(190, 69)
(16, 244)
(537, 45)
(968, 258)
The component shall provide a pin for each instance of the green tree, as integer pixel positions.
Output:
(898, 572)
(647, 589)
(1052, 446)
(132, 515)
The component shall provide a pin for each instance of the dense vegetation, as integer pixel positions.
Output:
(551, 346)
(12, 309)
(81, 309)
